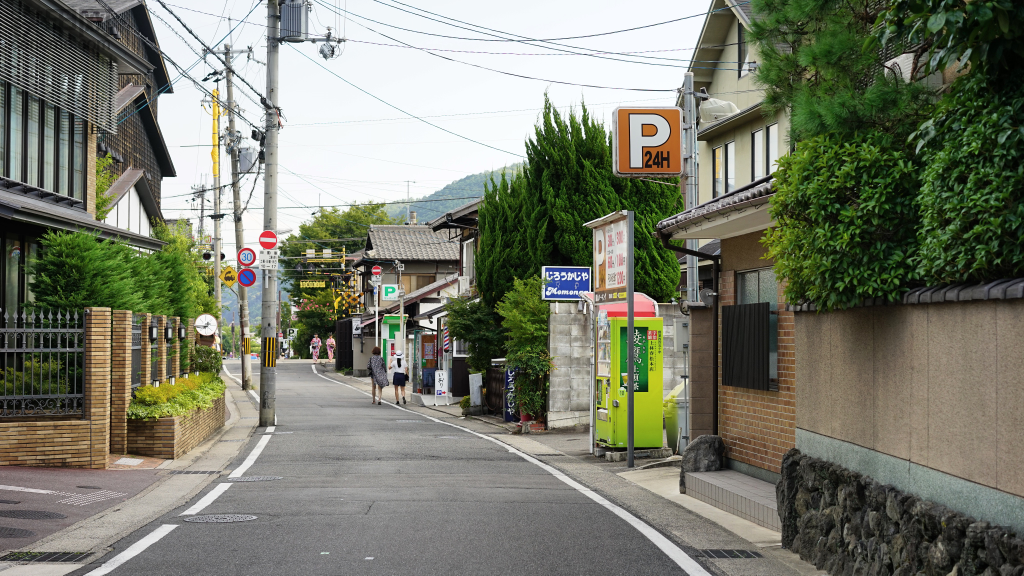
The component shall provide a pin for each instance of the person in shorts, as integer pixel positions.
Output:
(378, 375)
(399, 372)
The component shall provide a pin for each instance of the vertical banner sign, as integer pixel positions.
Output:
(649, 349)
(610, 260)
(441, 383)
(511, 410)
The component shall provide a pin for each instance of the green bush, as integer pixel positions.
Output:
(526, 319)
(465, 402)
(972, 193)
(208, 360)
(846, 220)
(187, 394)
(480, 327)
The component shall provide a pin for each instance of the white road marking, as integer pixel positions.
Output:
(207, 500)
(254, 395)
(32, 490)
(133, 550)
(675, 553)
(232, 376)
(270, 429)
(252, 457)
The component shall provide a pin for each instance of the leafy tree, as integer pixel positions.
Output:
(190, 290)
(76, 270)
(525, 317)
(105, 178)
(814, 64)
(842, 205)
(535, 217)
(478, 325)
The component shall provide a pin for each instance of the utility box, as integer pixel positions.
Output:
(247, 159)
(611, 397)
(295, 21)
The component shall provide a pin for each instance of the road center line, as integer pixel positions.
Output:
(207, 500)
(251, 458)
(133, 550)
(682, 559)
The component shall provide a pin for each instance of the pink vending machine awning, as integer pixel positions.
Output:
(643, 306)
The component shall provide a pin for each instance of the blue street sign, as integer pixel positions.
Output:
(246, 277)
(565, 282)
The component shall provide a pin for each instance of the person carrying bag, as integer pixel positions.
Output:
(399, 370)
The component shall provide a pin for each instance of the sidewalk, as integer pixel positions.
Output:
(703, 527)
(86, 511)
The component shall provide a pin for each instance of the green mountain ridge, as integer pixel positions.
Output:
(456, 194)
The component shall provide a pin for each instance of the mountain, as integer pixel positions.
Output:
(452, 196)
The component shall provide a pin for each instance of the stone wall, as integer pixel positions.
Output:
(849, 524)
(173, 436)
(571, 345)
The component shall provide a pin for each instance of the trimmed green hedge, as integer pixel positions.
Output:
(187, 394)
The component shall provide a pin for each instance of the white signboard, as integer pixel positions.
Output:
(441, 383)
(612, 268)
(268, 259)
(389, 292)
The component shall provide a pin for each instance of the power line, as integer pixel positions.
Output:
(381, 100)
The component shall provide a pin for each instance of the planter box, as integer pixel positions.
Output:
(172, 437)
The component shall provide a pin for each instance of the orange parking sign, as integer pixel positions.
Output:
(647, 141)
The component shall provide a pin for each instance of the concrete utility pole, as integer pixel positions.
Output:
(236, 196)
(215, 156)
(689, 179)
(268, 366)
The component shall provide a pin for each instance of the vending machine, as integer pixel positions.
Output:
(610, 393)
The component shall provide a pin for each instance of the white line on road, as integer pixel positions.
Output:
(232, 376)
(682, 559)
(32, 490)
(252, 457)
(133, 550)
(207, 500)
(270, 429)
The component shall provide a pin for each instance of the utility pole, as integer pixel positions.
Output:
(689, 180)
(268, 365)
(408, 205)
(236, 196)
(215, 156)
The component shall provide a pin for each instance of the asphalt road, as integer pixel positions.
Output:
(368, 489)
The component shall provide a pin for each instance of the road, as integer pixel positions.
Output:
(380, 489)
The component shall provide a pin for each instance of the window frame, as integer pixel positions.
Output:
(757, 141)
(771, 132)
(773, 317)
(730, 166)
(742, 50)
(717, 167)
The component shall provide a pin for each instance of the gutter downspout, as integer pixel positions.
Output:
(715, 261)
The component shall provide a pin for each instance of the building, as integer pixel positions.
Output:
(60, 74)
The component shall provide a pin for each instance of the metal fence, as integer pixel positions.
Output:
(42, 363)
(137, 350)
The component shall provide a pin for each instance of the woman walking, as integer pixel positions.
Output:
(399, 371)
(378, 375)
(330, 347)
(314, 346)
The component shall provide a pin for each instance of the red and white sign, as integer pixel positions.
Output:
(268, 240)
(246, 257)
(376, 270)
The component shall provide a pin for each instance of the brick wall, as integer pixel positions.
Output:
(175, 348)
(758, 427)
(173, 436)
(120, 379)
(146, 360)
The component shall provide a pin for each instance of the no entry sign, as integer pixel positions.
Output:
(376, 270)
(247, 278)
(268, 240)
(246, 257)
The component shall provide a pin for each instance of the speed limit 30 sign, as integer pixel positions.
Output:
(246, 257)
(647, 142)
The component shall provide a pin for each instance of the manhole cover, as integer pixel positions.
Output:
(10, 502)
(6, 532)
(90, 487)
(31, 514)
(221, 518)
(44, 556)
(253, 478)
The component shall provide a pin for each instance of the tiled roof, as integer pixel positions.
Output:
(452, 215)
(757, 192)
(410, 242)
(425, 292)
(1005, 289)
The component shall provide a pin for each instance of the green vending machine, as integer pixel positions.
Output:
(610, 388)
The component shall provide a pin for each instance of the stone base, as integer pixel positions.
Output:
(172, 437)
(360, 372)
(621, 455)
(72, 443)
(568, 419)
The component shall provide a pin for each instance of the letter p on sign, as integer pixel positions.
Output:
(648, 142)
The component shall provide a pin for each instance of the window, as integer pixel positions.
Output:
(773, 147)
(718, 171)
(16, 118)
(40, 144)
(78, 164)
(730, 167)
(741, 49)
(64, 154)
(49, 148)
(3, 126)
(32, 147)
(750, 332)
(757, 155)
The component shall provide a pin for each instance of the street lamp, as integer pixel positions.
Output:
(181, 331)
(168, 333)
(153, 334)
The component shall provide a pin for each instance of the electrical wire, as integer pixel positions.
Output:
(381, 100)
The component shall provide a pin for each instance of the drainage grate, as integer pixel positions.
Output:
(6, 532)
(10, 501)
(44, 556)
(195, 471)
(253, 478)
(236, 440)
(31, 514)
(221, 518)
(716, 553)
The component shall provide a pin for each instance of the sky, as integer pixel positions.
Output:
(355, 141)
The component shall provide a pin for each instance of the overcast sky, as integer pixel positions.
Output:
(340, 145)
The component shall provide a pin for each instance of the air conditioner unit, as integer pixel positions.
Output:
(295, 21)
(713, 110)
(463, 285)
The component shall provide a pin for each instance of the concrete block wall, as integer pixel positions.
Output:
(120, 379)
(570, 343)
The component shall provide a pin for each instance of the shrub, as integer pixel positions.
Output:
(186, 394)
(480, 327)
(526, 319)
(465, 402)
(846, 220)
(972, 193)
(208, 360)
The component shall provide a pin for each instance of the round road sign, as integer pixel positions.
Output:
(268, 240)
(246, 256)
(376, 270)
(247, 278)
